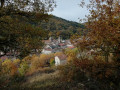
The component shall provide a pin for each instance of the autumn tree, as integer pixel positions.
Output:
(103, 24)
(19, 34)
(9, 68)
(37, 62)
(71, 54)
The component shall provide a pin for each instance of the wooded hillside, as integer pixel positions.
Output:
(64, 28)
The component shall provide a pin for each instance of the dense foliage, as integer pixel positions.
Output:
(93, 74)
(102, 42)
(93, 65)
(61, 27)
(104, 27)
(18, 34)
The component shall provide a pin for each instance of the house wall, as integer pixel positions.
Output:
(46, 52)
(47, 46)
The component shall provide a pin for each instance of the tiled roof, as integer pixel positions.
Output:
(71, 47)
(48, 49)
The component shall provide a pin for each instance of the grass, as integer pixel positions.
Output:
(45, 79)
(42, 80)
(49, 81)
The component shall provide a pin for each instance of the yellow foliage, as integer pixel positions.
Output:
(27, 59)
(58, 54)
(9, 67)
(71, 54)
(46, 58)
(16, 62)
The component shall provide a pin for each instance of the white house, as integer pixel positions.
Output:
(46, 51)
(70, 46)
(60, 60)
(48, 46)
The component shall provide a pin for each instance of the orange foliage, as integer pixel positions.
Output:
(103, 24)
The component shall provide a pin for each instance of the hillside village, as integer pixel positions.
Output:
(51, 46)
(56, 45)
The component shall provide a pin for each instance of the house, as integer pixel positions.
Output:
(56, 45)
(70, 46)
(46, 51)
(48, 46)
(60, 60)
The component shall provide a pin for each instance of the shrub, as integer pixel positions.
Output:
(9, 68)
(52, 62)
(23, 68)
(71, 73)
(17, 62)
(97, 73)
(37, 63)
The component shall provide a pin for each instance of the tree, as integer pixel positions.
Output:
(103, 24)
(71, 54)
(19, 34)
(20, 40)
(29, 5)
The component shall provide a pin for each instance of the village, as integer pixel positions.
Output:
(57, 45)
(51, 46)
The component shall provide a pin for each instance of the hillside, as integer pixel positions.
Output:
(55, 26)
(57, 23)
(64, 27)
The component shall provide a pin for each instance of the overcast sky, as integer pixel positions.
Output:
(70, 10)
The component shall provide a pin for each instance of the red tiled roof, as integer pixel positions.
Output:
(71, 47)
(48, 49)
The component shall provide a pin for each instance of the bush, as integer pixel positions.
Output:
(93, 73)
(71, 73)
(52, 62)
(23, 68)
(9, 68)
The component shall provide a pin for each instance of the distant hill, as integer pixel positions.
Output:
(56, 25)
(64, 27)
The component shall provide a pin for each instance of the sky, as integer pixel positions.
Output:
(70, 10)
